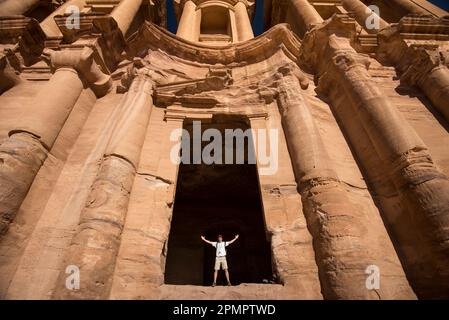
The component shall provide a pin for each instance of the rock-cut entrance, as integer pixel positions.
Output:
(218, 199)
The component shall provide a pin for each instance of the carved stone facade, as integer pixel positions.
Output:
(87, 115)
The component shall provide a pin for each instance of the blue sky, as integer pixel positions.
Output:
(258, 17)
(441, 3)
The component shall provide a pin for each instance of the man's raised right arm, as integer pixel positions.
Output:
(205, 240)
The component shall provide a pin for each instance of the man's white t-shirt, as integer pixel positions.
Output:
(221, 248)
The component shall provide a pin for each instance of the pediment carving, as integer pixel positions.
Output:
(258, 49)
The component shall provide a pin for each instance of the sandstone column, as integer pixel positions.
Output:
(125, 12)
(363, 14)
(422, 64)
(114, 28)
(303, 14)
(244, 28)
(187, 24)
(422, 67)
(24, 152)
(293, 256)
(346, 242)
(96, 242)
(15, 7)
(8, 77)
(435, 85)
(343, 74)
(140, 266)
(49, 25)
(407, 7)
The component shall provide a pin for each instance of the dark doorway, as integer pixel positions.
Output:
(218, 199)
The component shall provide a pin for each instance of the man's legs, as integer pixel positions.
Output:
(227, 276)
(224, 264)
(221, 263)
(216, 268)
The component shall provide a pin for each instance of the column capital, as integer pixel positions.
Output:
(423, 60)
(290, 81)
(139, 71)
(83, 62)
(323, 42)
(27, 33)
(293, 70)
(327, 49)
(414, 45)
(341, 63)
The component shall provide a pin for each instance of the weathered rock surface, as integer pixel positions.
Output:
(86, 147)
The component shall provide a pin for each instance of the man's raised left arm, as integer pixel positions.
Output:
(233, 240)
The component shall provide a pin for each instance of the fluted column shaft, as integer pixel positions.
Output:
(423, 68)
(435, 85)
(424, 188)
(419, 65)
(26, 149)
(16, 7)
(52, 106)
(95, 245)
(49, 25)
(346, 242)
(187, 24)
(24, 152)
(125, 12)
(244, 28)
(363, 14)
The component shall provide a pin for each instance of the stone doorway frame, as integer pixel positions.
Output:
(207, 118)
(285, 224)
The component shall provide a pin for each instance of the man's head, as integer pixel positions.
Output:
(220, 238)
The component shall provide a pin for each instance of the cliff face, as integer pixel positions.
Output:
(347, 127)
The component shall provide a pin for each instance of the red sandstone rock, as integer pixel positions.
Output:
(86, 178)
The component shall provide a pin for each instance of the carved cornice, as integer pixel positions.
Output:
(217, 89)
(258, 49)
(416, 45)
(415, 29)
(26, 32)
(416, 26)
(83, 62)
(216, 80)
(366, 43)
